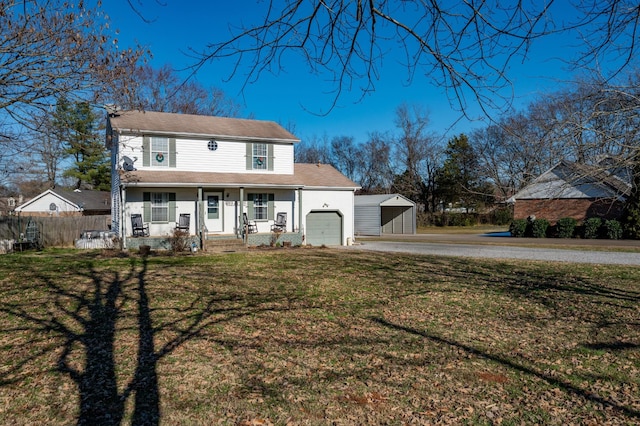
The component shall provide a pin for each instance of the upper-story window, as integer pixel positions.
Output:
(11, 202)
(260, 156)
(160, 152)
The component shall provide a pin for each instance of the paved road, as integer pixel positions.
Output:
(497, 251)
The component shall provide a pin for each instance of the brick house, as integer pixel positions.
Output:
(573, 190)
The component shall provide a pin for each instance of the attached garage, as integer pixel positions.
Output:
(384, 214)
(324, 228)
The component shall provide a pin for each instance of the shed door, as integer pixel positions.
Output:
(393, 220)
(324, 228)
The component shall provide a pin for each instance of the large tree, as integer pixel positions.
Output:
(58, 48)
(466, 47)
(458, 181)
(164, 90)
(75, 125)
(415, 154)
(376, 174)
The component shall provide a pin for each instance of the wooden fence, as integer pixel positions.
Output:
(54, 231)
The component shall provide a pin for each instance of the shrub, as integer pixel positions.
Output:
(518, 228)
(539, 228)
(613, 229)
(632, 223)
(592, 228)
(565, 227)
(179, 241)
(501, 216)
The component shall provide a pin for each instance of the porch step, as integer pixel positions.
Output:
(220, 245)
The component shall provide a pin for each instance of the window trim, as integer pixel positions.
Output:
(150, 152)
(148, 206)
(260, 156)
(159, 207)
(159, 155)
(266, 154)
(269, 205)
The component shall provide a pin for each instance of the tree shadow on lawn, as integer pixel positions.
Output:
(85, 317)
(562, 384)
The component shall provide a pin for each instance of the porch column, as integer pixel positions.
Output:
(200, 218)
(239, 219)
(300, 230)
(123, 225)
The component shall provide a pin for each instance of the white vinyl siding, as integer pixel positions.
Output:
(194, 155)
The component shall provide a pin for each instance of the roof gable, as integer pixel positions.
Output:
(572, 180)
(150, 122)
(83, 200)
(382, 200)
(86, 199)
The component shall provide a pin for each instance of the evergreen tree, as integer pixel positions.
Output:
(631, 213)
(458, 181)
(75, 124)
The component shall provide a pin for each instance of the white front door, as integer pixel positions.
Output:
(213, 211)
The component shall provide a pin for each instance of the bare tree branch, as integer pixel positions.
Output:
(465, 47)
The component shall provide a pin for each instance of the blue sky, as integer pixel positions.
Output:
(294, 95)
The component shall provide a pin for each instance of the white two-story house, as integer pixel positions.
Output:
(218, 171)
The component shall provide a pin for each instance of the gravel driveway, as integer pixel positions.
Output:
(501, 252)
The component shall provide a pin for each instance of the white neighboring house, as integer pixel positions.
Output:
(67, 202)
(216, 170)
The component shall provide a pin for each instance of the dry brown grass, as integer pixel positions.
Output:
(315, 337)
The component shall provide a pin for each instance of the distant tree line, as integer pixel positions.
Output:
(584, 123)
(59, 61)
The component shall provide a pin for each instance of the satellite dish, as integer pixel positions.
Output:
(127, 163)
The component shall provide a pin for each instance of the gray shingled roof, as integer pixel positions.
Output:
(305, 175)
(377, 199)
(141, 122)
(572, 180)
(88, 199)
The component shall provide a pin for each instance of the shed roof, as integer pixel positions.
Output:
(305, 176)
(151, 122)
(382, 200)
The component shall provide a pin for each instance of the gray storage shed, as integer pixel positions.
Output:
(384, 214)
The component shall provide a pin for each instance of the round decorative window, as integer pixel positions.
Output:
(213, 145)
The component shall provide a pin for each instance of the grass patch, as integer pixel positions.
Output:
(315, 337)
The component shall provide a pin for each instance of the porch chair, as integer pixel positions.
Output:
(138, 227)
(183, 222)
(280, 223)
(251, 227)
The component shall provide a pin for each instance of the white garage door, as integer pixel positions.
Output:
(324, 228)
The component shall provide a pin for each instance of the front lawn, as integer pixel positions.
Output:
(315, 337)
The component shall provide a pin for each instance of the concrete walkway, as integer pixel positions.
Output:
(496, 246)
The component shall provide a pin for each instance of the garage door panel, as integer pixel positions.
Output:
(324, 228)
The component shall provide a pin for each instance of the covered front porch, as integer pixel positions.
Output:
(219, 242)
(211, 214)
